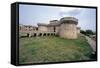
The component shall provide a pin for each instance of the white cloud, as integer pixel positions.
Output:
(69, 11)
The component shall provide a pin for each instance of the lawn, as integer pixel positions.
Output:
(53, 49)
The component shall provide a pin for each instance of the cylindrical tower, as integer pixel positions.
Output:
(42, 27)
(78, 30)
(68, 27)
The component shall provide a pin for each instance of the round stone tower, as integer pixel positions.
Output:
(42, 27)
(68, 27)
(78, 30)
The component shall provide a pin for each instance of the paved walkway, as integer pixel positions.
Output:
(92, 43)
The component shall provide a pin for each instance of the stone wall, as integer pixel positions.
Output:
(68, 31)
(57, 29)
(42, 28)
(78, 30)
(50, 29)
(65, 28)
(68, 28)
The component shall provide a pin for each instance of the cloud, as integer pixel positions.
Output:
(69, 11)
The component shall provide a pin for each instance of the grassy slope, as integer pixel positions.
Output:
(53, 49)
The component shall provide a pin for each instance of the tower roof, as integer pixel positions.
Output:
(69, 20)
(42, 24)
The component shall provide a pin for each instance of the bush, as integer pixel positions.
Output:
(87, 32)
(83, 32)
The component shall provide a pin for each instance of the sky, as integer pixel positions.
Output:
(33, 14)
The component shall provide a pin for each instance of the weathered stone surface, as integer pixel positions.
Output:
(78, 30)
(65, 28)
(68, 31)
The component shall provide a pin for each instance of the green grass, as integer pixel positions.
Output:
(53, 49)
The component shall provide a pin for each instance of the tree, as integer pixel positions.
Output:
(90, 32)
(83, 32)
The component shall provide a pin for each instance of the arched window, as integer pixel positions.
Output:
(48, 34)
(34, 34)
(36, 29)
(40, 34)
(27, 34)
(44, 34)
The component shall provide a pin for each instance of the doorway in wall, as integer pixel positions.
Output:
(54, 29)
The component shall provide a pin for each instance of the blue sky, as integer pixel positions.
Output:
(33, 14)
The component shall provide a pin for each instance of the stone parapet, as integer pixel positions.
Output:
(68, 19)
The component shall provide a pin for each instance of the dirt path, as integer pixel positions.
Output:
(92, 43)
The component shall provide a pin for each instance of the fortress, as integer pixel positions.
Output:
(66, 28)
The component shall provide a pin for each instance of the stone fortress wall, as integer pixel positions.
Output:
(66, 28)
